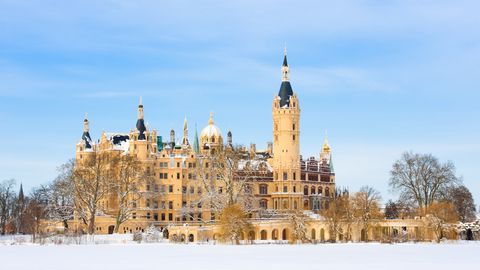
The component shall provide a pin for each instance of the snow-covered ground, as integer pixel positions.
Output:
(460, 255)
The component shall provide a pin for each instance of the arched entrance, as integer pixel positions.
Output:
(314, 234)
(275, 234)
(191, 238)
(322, 235)
(363, 236)
(251, 235)
(263, 235)
(111, 228)
(469, 234)
(285, 234)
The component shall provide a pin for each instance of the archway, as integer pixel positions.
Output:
(275, 234)
(285, 234)
(251, 235)
(314, 234)
(363, 236)
(182, 238)
(191, 238)
(111, 228)
(263, 235)
(322, 235)
(469, 234)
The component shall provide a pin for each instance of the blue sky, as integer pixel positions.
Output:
(381, 77)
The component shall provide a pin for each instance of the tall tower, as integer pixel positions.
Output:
(286, 145)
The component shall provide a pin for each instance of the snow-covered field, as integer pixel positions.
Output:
(460, 255)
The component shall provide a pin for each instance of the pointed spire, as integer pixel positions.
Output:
(210, 121)
(185, 141)
(285, 63)
(20, 193)
(196, 145)
(326, 146)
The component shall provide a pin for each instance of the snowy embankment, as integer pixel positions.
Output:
(194, 256)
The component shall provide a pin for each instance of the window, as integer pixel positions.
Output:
(148, 188)
(220, 190)
(178, 175)
(312, 190)
(162, 216)
(212, 216)
(155, 217)
(263, 189)
(192, 190)
(178, 164)
(134, 215)
(184, 190)
(170, 205)
(293, 127)
(285, 176)
(305, 190)
(155, 204)
(148, 215)
(147, 203)
(170, 188)
(163, 204)
(294, 188)
(285, 189)
(263, 204)
(170, 216)
(162, 189)
(155, 188)
(293, 137)
(294, 176)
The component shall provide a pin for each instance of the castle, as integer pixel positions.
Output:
(284, 181)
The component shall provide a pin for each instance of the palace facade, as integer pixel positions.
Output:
(284, 180)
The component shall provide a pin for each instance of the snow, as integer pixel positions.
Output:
(455, 255)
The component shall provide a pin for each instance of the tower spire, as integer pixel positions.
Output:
(210, 120)
(140, 121)
(185, 141)
(196, 146)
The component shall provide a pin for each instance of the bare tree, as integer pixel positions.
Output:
(299, 226)
(126, 187)
(234, 223)
(462, 199)
(440, 216)
(92, 181)
(7, 197)
(366, 206)
(338, 214)
(61, 195)
(421, 178)
(226, 178)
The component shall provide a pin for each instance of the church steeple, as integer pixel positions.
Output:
(141, 122)
(285, 68)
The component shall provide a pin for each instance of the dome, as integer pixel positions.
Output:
(211, 133)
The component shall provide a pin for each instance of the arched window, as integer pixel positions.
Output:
(263, 188)
(285, 234)
(320, 191)
(327, 192)
(313, 190)
(213, 139)
(263, 235)
(314, 235)
(305, 190)
(305, 204)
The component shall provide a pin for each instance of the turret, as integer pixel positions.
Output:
(86, 134)
(141, 122)
(172, 138)
(229, 139)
